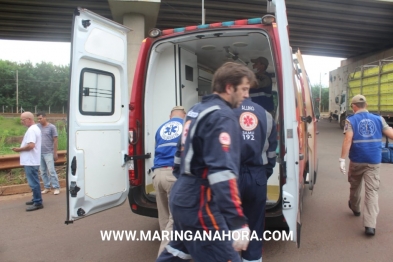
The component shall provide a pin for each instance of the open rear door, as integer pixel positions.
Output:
(97, 178)
(290, 190)
(311, 125)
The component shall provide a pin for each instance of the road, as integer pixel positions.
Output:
(330, 232)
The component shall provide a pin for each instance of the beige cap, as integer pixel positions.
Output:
(358, 99)
(178, 108)
(261, 60)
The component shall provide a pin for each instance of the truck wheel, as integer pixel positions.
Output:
(342, 123)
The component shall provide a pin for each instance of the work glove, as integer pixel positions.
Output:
(342, 165)
(240, 238)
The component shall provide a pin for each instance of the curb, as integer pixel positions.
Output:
(23, 188)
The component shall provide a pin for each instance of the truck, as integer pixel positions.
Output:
(110, 147)
(374, 80)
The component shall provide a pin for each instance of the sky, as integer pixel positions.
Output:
(58, 53)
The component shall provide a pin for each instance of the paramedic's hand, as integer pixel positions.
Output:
(342, 165)
(240, 238)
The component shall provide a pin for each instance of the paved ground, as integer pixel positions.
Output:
(330, 232)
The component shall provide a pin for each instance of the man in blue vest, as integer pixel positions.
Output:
(262, 94)
(258, 157)
(204, 200)
(167, 136)
(363, 133)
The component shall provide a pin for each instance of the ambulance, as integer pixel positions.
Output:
(111, 135)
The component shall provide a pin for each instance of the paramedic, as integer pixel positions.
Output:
(262, 95)
(205, 197)
(363, 133)
(167, 136)
(258, 157)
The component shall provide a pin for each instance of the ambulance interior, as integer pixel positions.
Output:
(180, 71)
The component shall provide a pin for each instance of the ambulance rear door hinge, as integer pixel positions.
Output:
(135, 157)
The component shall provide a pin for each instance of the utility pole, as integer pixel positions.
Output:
(320, 92)
(17, 95)
(203, 12)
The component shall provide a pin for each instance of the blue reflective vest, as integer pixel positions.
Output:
(366, 141)
(167, 136)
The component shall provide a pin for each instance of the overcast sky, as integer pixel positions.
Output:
(317, 67)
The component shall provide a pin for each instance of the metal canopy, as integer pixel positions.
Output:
(328, 28)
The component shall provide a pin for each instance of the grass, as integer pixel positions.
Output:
(11, 127)
(17, 176)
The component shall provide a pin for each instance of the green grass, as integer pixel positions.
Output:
(12, 127)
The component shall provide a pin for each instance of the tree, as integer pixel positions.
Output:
(324, 100)
(40, 86)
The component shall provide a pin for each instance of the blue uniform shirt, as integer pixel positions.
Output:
(258, 136)
(167, 136)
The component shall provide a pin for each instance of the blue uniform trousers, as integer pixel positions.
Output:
(252, 189)
(187, 211)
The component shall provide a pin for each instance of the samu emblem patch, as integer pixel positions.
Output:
(171, 130)
(367, 128)
(248, 121)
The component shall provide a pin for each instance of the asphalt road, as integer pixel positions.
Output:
(330, 232)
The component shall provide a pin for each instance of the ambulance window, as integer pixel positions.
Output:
(96, 93)
(189, 73)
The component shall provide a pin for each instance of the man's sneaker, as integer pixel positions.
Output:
(34, 207)
(57, 191)
(46, 190)
(29, 203)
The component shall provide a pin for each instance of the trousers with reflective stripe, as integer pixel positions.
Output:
(193, 209)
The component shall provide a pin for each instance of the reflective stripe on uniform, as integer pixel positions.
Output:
(177, 253)
(366, 141)
(271, 154)
(221, 177)
(177, 160)
(269, 125)
(167, 144)
(260, 94)
(190, 152)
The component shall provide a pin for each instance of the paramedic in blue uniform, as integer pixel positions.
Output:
(262, 95)
(205, 197)
(363, 133)
(167, 137)
(258, 157)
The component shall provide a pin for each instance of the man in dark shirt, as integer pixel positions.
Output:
(262, 95)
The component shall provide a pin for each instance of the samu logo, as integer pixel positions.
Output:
(171, 130)
(367, 128)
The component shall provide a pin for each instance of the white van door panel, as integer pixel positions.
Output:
(311, 132)
(97, 178)
(188, 67)
(290, 194)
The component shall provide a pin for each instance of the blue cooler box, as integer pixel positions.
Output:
(387, 152)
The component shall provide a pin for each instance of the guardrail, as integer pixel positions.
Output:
(12, 161)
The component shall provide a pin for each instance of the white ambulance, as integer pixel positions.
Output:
(111, 136)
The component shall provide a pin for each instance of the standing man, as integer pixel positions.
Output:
(48, 154)
(167, 137)
(262, 95)
(205, 197)
(258, 157)
(363, 133)
(30, 152)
